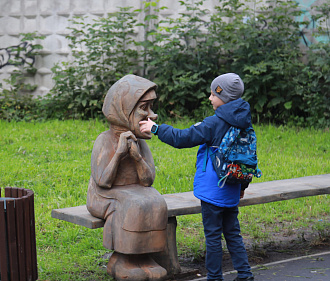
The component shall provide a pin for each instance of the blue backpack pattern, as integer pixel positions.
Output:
(235, 160)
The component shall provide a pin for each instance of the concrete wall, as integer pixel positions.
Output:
(51, 18)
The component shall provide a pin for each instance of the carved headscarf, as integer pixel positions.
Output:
(122, 98)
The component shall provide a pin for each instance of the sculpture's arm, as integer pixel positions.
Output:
(144, 164)
(109, 173)
(106, 171)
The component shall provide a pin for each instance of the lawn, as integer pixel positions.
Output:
(53, 159)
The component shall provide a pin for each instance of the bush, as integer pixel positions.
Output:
(181, 61)
(316, 86)
(16, 102)
(315, 77)
(263, 48)
(102, 53)
(183, 55)
(268, 60)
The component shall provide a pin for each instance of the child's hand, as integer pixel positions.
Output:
(145, 126)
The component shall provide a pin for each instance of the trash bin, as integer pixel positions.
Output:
(18, 254)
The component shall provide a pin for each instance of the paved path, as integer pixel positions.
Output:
(312, 268)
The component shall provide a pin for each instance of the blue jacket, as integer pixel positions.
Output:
(210, 132)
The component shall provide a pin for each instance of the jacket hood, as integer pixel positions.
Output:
(237, 113)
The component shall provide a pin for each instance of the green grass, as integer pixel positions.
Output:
(53, 160)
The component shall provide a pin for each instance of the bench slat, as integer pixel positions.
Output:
(185, 203)
(78, 215)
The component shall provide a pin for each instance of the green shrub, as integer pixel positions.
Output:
(16, 102)
(103, 52)
(264, 50)
(17, 107)
(315, 87)
(181, 61)
(315, 77)
(184, 54)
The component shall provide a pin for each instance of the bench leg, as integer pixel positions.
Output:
(169, 257)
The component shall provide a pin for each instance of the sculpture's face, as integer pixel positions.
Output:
(143, 111)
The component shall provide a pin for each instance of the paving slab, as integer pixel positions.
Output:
(312, 268)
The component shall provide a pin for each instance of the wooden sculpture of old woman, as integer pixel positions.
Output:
(120, 191)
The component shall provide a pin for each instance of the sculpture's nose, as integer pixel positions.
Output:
(153, 116)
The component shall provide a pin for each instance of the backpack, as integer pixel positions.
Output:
(235, 160)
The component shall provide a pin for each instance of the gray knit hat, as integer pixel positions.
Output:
(228, 87)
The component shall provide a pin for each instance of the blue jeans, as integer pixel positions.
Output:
(218, 220)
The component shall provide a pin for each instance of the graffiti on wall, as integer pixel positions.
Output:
(307, 30)
(17, 55)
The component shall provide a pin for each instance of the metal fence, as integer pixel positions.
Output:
(18, 255)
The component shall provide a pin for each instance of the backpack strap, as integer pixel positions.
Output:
(258, 173)
(223, 179)
(206, 155)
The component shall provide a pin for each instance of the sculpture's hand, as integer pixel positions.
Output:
(124, 143)
(134, 150)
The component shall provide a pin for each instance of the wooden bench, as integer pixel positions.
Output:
(185, 203)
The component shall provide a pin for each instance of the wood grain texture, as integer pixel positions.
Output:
(18, 256)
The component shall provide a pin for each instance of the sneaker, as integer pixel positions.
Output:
(251, 278)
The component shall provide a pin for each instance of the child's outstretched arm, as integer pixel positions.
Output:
(179, 138)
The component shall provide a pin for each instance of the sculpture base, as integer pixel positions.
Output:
(135, 268)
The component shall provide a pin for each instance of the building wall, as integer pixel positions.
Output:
(51, 19)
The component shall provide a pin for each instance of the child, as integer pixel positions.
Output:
(219, 205)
